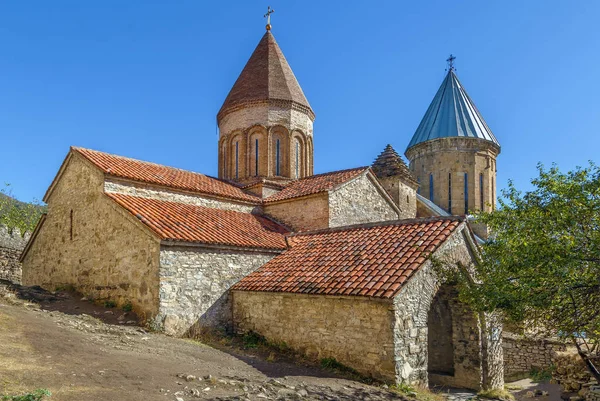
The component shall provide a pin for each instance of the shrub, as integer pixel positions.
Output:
(36, 395)
(128, 307)
(110, 304)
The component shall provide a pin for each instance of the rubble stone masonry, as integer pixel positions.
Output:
(194, 284)
(357, 332)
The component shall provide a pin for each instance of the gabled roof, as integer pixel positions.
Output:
(266, 76)
(389, 163)
(196, 224)
(452, 113)
(372, 260)
(151, 173)
(316, 184)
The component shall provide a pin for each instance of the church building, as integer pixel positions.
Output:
(336, 265)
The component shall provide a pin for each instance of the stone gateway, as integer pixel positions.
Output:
(337, 265)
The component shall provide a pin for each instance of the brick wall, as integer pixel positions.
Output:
(355, 331)
(301, 214)
(194, 284)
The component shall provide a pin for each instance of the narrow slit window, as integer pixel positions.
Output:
(493, 194)
(297, 159)
(481, 191)
(449, 192)
(431, 187)
(466, 194)
(419, 187)
(237, 164)
(277, 158)
(71, 225)
(256, 157)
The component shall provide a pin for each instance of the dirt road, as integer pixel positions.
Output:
(80, 358)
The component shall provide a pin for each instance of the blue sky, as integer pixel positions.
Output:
(145, 79)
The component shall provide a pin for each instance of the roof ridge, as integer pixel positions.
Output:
(79, 149)
(400, 222)
(334, 172)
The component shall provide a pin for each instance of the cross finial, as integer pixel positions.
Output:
(268, 17)
(450, 61)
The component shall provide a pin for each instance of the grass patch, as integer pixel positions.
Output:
(540, 374)
(253, 340)
(128, 307)
(497, 394)
(417, 393)
(36, 395)
(110, 304)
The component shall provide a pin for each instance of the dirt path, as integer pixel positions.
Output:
(79, 358)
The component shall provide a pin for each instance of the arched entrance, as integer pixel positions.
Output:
(453, 342)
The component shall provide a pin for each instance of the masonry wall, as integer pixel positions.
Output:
(148, 191)
(11, 245)
(447, 160)
(412, 306)
(194, 284)
(359, 201)
(522, 354)
(356, 332)
(403, 195)
(89, 242)
(301, 214)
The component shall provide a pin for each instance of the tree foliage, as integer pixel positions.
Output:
(18, 215)
(542, 264)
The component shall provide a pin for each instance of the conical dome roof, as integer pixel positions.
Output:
(267, 76)
(389, 163)
(452, 113)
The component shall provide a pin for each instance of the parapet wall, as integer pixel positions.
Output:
(11, 245)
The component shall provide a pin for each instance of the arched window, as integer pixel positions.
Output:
(297, 158)
(237, 160)
(431, 187)
(466, 194)
(450, 193)
(224, 161)
(277, 157)
(256, 157)
(481, 191)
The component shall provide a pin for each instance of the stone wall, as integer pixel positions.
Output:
(10, 267)
(412, 309)
(147, 191)
(593, 394)
(301, 214)
(194, 284)
(403, 195)
(447, 160)
(359, 201)
(356, 331)
(522, 354)
(11, 245)
(572, 373)
(89, 242)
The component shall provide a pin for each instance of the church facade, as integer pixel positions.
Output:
(335, 265)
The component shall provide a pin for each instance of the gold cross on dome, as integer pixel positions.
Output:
(268, 17)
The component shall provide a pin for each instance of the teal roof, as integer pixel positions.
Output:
(452, 113)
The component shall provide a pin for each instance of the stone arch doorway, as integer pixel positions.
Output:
(453, 342)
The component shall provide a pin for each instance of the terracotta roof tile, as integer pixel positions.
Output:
(132, 169)
(315, 184)
(189, 223)
(365, 260)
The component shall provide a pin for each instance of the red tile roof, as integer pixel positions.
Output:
(372, 260)
(132, 169)
(189, 223)
(316, 184)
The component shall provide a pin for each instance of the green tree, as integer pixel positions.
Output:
(542, 264)
(18, 215)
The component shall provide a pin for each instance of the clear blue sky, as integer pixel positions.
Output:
(145, 78)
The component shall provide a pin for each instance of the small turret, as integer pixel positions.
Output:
(397, 179)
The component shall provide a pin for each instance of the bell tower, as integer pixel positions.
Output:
(266, 123)
(453, 152)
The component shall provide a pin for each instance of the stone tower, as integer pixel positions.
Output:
(266, 123)
(397, 179)
(453, 152)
